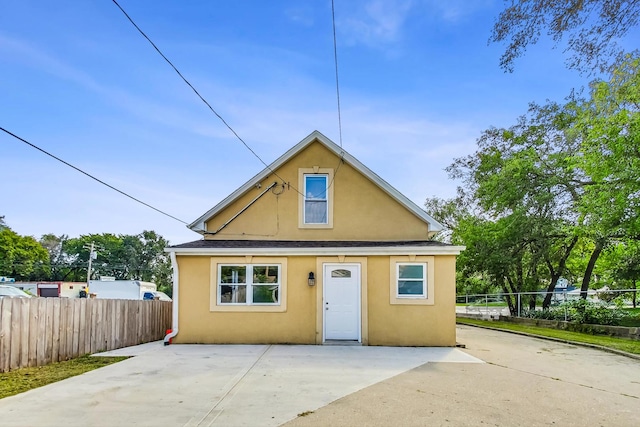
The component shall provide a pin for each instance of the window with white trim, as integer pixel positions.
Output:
(316, 201)
(248, 284)
(411, 280)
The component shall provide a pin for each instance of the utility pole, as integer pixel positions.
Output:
(92, 255)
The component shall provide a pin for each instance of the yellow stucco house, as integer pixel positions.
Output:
(316, 248)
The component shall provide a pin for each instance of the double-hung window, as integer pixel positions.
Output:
(316, 201)
(248, 284)
(411, 280)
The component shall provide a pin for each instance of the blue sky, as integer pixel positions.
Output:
(418, 84)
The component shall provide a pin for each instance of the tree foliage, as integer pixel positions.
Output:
(592, 29)
(60, 258)
(125, 257)
(609, 125)
(21, 257)
(546, 197)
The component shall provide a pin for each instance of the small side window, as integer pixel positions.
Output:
(411, 280)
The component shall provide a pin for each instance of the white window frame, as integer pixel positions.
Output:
(303, 173)
(425, 291)
(325, 199)
(429, 261)
(249, 285)
(243, 308)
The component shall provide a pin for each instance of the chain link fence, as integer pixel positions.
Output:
(522, 303)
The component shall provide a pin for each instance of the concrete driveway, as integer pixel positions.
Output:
(524, 382)
(207, 385)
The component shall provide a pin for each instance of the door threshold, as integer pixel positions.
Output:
(342, 342)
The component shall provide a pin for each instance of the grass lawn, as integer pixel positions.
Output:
(630, 346)
(24, 379)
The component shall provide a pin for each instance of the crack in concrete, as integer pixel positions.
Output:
(212, 414)
(561, 380)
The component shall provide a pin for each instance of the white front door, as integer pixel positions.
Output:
(341, 302)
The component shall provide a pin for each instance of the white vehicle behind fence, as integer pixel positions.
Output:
(121, 289)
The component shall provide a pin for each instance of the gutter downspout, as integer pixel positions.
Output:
(175, 294)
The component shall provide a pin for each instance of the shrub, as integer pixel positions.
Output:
(580, 311)
(595, 313)
(550, 314)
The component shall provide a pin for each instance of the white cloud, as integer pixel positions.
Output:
(457, 10)
(301, 15)
(375, 22)
(382, 23)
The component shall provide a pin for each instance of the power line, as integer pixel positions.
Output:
(335, 58)
(341, 160)
(91, 176)
(198, 94)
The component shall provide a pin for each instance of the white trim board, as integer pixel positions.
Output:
(364, 251)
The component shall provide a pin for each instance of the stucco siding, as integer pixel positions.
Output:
(199, 324)
(301, 323)
(412, 325)
(361, 209)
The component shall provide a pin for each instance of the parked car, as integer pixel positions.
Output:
(7, 291)
(156, 295)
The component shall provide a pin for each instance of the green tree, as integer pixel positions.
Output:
(627, 268)
(524, 175)
(60, 266)
(567, 174)
(22, 257)
(608, 124)
(156, 262)
(125, 257)
(109, 260)
(472, 275)
(591, 28)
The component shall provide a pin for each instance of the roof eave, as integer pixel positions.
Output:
(362, 251)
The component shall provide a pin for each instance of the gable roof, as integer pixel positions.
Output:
(199, 224)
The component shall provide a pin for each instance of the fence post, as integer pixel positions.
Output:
(519, 306)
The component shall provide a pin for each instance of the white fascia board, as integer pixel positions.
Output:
(364, 251)
(199, 224)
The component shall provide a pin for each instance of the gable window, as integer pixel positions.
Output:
(411, 280)
(316, 202)
(248, 284)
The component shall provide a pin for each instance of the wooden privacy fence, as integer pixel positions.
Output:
(38, 331)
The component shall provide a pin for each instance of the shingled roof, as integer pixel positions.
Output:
(239, 244)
